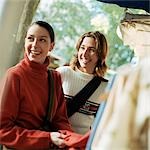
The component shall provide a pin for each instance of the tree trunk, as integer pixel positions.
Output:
(26, 18)
(15, 16)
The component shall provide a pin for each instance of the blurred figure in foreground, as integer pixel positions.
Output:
(125, 123)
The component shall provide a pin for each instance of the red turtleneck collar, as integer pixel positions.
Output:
(35, 69)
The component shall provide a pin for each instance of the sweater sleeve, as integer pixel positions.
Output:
(11, 134)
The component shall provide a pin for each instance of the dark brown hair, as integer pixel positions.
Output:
(46, 26)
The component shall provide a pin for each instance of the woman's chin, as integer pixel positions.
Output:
(33, 59)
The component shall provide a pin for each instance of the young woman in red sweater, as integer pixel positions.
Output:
(24, 96)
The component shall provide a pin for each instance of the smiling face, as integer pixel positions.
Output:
(37, 43)
(87, 55)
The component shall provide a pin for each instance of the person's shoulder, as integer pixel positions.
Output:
(103, 82)
(104, 79)
(12, 73)
(63, 68)
(14, 70)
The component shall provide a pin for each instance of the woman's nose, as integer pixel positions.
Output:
(35, 42)
(85, 52)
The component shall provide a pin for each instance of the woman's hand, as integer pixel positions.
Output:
(58, 139)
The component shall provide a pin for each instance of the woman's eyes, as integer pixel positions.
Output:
(89, 49)
(82, 48)
(42, 40)
(31, 39)
(93, 50)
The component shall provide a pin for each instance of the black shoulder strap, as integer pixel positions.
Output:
(51, 94)
(80, 98)
(47, 119)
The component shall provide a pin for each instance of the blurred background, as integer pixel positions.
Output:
(70, 19)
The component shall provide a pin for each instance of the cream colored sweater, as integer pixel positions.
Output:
(73, 82)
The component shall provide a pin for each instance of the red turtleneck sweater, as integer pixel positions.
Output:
(23, 104)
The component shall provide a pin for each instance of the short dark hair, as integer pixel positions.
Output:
(48, 27)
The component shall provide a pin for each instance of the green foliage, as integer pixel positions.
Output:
(69, 21)
(71, 18)
(118, 54)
